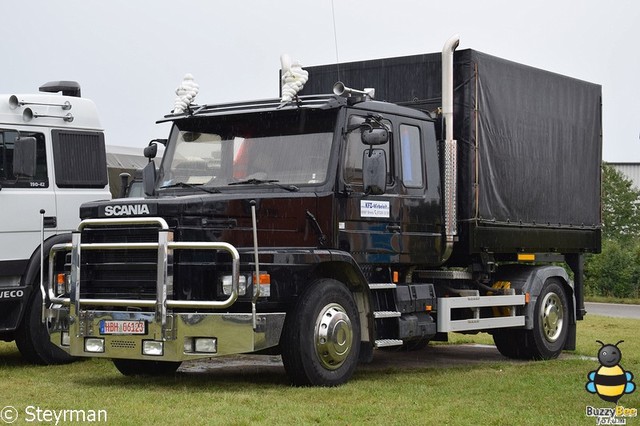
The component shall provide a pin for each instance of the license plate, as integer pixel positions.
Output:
(123, 327)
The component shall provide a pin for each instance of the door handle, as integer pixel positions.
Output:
(394, 228)
(50, 222)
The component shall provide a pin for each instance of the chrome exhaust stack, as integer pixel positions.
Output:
(450, 147)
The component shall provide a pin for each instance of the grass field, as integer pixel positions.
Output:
(500, 393)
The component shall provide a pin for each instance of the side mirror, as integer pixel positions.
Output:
(24, 157)
(149, 178)
(124, 184)
(151, 151)
(374, 171)
(375, 136)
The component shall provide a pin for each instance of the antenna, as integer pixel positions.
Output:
(335, 38)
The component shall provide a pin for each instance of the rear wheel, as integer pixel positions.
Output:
(32, 337)
(551, 323)
(512, 343)
(321, 337)
(137, 367)
(550, 327)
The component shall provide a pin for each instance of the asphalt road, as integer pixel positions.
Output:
(613, 310)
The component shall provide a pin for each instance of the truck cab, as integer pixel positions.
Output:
(317, 152)
(52, 159)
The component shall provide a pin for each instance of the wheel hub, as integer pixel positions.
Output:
(333, 336)
(552, 317)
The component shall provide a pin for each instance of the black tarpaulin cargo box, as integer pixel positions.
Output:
(529, 145)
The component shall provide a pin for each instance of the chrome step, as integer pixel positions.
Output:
(385, 343)
(382, 286)
(386, 314)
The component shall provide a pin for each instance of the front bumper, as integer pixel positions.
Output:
(89, 327)
(233, 334)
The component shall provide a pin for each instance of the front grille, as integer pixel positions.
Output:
(119, 274)
(194, 274)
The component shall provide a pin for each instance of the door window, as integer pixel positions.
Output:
(412, 173)
(8, 177)
(352, 168)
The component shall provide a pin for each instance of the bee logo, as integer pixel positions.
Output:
(610, 381)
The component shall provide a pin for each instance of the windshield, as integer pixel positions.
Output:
(288, 147)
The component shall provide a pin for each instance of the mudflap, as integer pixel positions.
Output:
(13, 301)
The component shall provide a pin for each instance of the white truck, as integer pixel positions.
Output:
(52, 159)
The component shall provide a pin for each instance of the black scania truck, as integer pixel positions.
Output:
(328, 226)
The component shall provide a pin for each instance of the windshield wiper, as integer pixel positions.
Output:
(191, 185)
(274, 182)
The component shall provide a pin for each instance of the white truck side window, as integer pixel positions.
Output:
(8, 177)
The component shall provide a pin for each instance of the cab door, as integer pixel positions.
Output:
(21, 200)
(419, 191)
(403, 225)
(369, 226)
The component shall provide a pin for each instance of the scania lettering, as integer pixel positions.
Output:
(52, 159)
(127, 210)
(323, 227)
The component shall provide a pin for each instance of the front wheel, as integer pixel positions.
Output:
(321, 337)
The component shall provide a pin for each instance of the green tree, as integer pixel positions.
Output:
(620, 206)
(616, 271)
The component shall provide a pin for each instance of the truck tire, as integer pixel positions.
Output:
(512, 343)
(321, 336)
(137, 367)
(551, 321)
(32, 337)
(550, 327)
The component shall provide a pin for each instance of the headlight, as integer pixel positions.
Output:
(152, 347)
(246, 281)
(94, 344)
(226, 285)
(206, 345)
(202, 345)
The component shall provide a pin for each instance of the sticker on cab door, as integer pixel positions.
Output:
(374, 208)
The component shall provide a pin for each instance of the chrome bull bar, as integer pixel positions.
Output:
(164, 246)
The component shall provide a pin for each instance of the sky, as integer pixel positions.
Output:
(130, 55)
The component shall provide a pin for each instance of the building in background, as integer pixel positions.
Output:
(124, 159)
(630, 170)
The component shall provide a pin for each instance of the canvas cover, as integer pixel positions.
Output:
(529, 141)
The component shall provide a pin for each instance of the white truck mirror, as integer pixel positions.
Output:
(24, 157)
